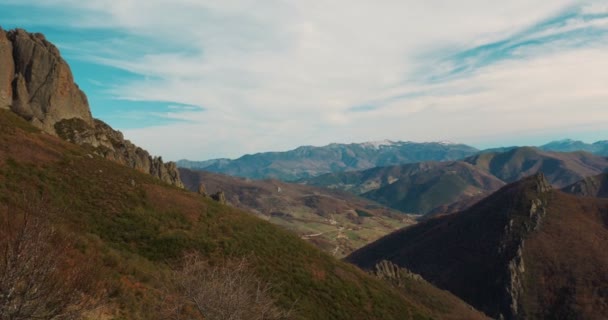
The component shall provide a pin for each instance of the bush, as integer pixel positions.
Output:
(226, 291)
(38, 278)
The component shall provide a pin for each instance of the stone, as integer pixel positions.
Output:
(43, 88)
(202, 190)
(219, 197)
(7, 71)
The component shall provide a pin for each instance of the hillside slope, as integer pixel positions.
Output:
(525, 252)
(131, 227)
(337, 222)
(309, 161)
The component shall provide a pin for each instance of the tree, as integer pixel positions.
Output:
(225, 291)
(38, 277)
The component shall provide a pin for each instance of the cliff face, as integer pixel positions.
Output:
(37, 84)
(476, 254)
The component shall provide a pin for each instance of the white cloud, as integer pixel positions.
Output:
(273, 74)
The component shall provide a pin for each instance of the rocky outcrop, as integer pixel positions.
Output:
(7, 72)
(43, 87)
(37, 84)
(392, 273)
(479, 254)
(513, 242)
(219, 196)
(112, 145)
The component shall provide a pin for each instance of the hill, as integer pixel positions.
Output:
(596, 186)
(525, 252)
(431, 187)
(309, 161)
(337, 222)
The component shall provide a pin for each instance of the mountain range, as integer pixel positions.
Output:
(308, 161)
(442, 187)
(526, 252)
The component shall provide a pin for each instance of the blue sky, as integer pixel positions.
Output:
(203, 79)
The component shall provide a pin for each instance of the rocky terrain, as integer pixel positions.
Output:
(37, 84)
(308, 161)
(526, 252)
(335, 221)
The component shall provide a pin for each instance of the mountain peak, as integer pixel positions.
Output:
(37, 84)
(378, 144)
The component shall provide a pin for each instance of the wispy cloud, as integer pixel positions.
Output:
(273, 75)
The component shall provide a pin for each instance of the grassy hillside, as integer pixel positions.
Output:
(335, 221)
(132, 228)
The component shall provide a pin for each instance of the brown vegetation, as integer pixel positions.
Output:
(39, 279)
(227, 290)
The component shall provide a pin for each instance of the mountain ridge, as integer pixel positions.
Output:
(308, 161)
(507, 256)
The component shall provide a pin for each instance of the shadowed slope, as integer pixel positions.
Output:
(507, 254)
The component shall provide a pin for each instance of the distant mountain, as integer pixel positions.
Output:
(596, 186)
(447, 186)
(308, 161)
(442, 183)
(560, 168)
(525, 252)
(568, 145)
(335, 221)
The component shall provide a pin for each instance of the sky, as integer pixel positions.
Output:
(202, 79)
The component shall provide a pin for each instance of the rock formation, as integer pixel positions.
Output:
(394, 274)
(219, 196)
(37, 84)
